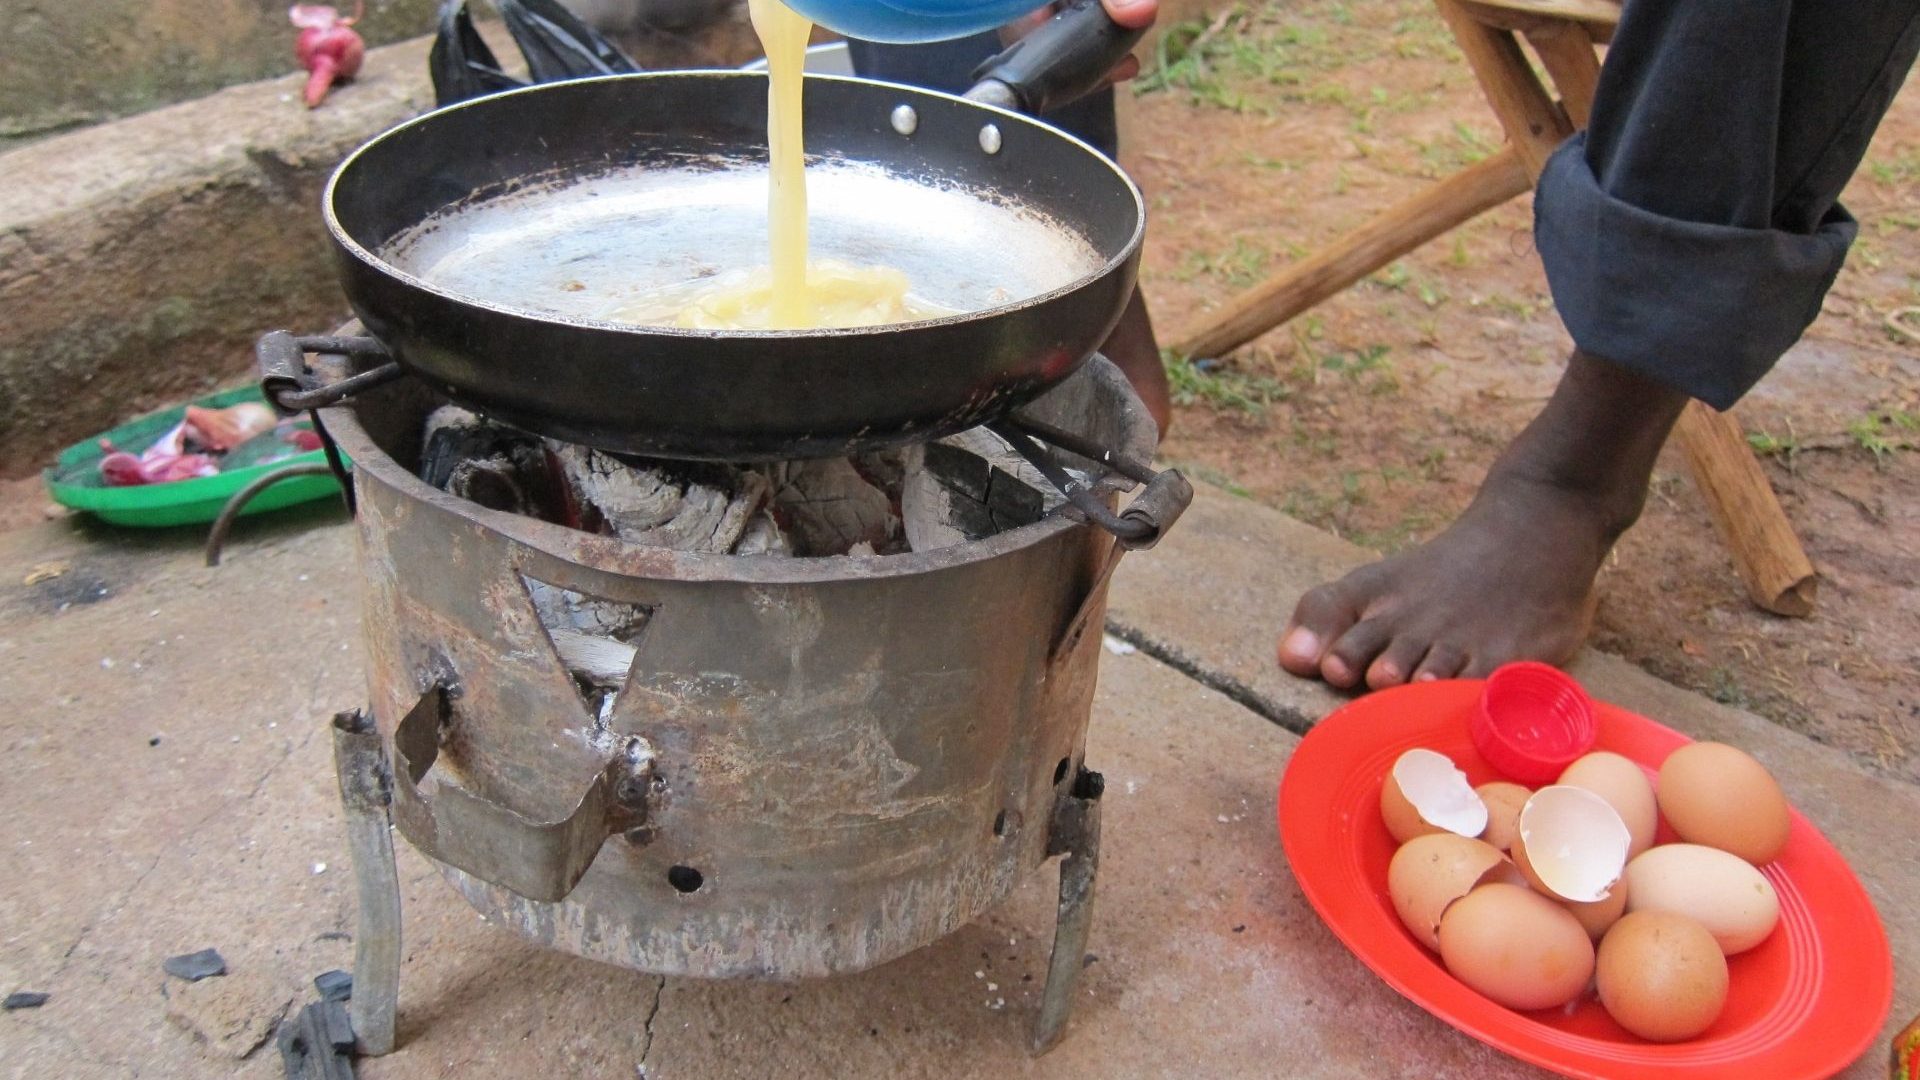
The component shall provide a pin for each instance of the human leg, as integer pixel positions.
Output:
(1689, 237)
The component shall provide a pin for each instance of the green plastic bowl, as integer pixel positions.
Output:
(74, 478)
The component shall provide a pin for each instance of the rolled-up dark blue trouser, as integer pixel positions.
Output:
(948, 66)
(1691, 232)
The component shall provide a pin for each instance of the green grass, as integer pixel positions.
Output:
(1239, 266)
(1882, 434)
(1769, 445)
(1222, 387)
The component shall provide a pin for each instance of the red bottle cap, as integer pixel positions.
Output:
(1532, 721)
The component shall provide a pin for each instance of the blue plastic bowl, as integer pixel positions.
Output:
(912, 22)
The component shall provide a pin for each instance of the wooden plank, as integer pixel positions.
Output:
(1778, 575)
(1533, 122)
(1569, 58)
(1596, 17)
(1389, 235)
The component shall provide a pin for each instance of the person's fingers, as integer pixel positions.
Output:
(1133, 14)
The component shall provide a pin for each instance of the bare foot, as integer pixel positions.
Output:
(1512, 577)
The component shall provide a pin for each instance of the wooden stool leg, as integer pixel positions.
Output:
(1460, 198)
(1778, 575)
(1566, 51)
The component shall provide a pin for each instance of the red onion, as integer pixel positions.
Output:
(328, 47)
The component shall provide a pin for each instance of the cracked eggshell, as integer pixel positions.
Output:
(1504, 801)
(1718, 890)
(1430, 872)
(1426, 793)
(1625, 787)
(1572, 845)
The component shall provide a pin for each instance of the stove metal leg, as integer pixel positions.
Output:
(365, 793)
(1075, 832)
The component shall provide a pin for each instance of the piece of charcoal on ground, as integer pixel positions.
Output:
(334, 985)
(828, 506)
(24, 999)
(195, 966)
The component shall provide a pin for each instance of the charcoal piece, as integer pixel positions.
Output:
(968, 487)
(309, 1046)
(763, 537)
(827, 507)
(333, 985)
(24, 999)
(453, 437)
(679, 505)
(195, 966)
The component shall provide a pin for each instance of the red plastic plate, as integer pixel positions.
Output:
(1806, 1002)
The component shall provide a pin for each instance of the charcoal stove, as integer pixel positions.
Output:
(811, 766)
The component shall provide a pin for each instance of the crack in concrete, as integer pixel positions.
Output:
(1220, 682)
(646, 1047)
(119, 903)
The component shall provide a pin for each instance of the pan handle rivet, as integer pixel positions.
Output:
(990, 138)
(905, 120)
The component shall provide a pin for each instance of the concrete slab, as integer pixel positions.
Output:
(227, 834)
(1214, 596)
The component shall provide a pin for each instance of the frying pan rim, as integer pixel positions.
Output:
(347, 243)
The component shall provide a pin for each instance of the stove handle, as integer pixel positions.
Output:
(540, 860)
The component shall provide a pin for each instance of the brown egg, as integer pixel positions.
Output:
(1661, 976)
(1429, 873)
(1503, 801)
(1714, 888)
(1625, 787)
(1516, 947)
(1598, 916)
(1716, 795)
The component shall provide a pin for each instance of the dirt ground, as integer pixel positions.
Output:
(1377, 414)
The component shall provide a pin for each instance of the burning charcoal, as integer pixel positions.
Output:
(24, 999)
(492, 482)
(454, 437)
(967, 487)
(678, 505)
(828, 507)
(763, 537)
(333, 985)
(195, 966)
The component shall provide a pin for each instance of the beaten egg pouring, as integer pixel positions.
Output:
(790, 292)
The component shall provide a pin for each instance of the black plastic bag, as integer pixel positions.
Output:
(557, 46)
(461, 64)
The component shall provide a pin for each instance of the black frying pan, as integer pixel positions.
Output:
(491, 246)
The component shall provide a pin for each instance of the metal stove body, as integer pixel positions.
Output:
(812, 766)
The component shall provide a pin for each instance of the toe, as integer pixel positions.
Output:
(1355, 650)
(1321, 616)
(1443, 661)
(1396, 662)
